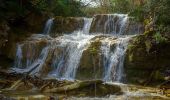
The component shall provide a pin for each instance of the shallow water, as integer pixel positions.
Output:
(131, 92)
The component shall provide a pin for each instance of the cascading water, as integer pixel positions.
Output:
(48, 26)
(38, 63)
(74, 45)
(63, 54)
(114, 59)
(87, 24)
(25, 62)
(19, 56)
(114, 24)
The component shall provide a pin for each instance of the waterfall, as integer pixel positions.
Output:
(62, 55)
(87, 24)
(114, 24)
(114, 59)
(38, 62)
(48, 26)
(26, 54)
(67, 62)
(19, 56)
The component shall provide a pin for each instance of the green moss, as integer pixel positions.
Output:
(130, 47)
(148, 45)
(131, 57)
(90, 64)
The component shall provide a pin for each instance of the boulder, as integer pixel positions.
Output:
(91, 66)
(91, 63)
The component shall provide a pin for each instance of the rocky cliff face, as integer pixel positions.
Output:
(66, 25)
(4, 28)
(146, 60)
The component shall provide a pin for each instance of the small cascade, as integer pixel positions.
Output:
(40, 61)
(114, 59)
(37, 64)
(19, 56)
(87, 24)
(67, 62)
(26, 54)
(48, 26)
(114, 24)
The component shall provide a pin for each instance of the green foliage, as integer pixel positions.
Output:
(13, 9)
(59, 7)
(138, 13)
(148, 45)
(120, 6)
(159, 38)
(159, 9)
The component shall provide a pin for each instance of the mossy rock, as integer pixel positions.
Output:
(90, 64)
(66, 24)
(145, 56)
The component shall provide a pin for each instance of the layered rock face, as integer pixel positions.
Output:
(66, 25)
(146, 60)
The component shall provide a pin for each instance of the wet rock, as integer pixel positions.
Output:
(35, 22)
(31, 50)
(91, 64)
(46, 68)
(66, 25)
(102, 22)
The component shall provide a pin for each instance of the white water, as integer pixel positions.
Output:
(25, 55)
(38, 62)
(87, 24)
(74, 45)
(114, 59)
(19, 56)
(48, 26)
(31, 60)
(113, 24)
